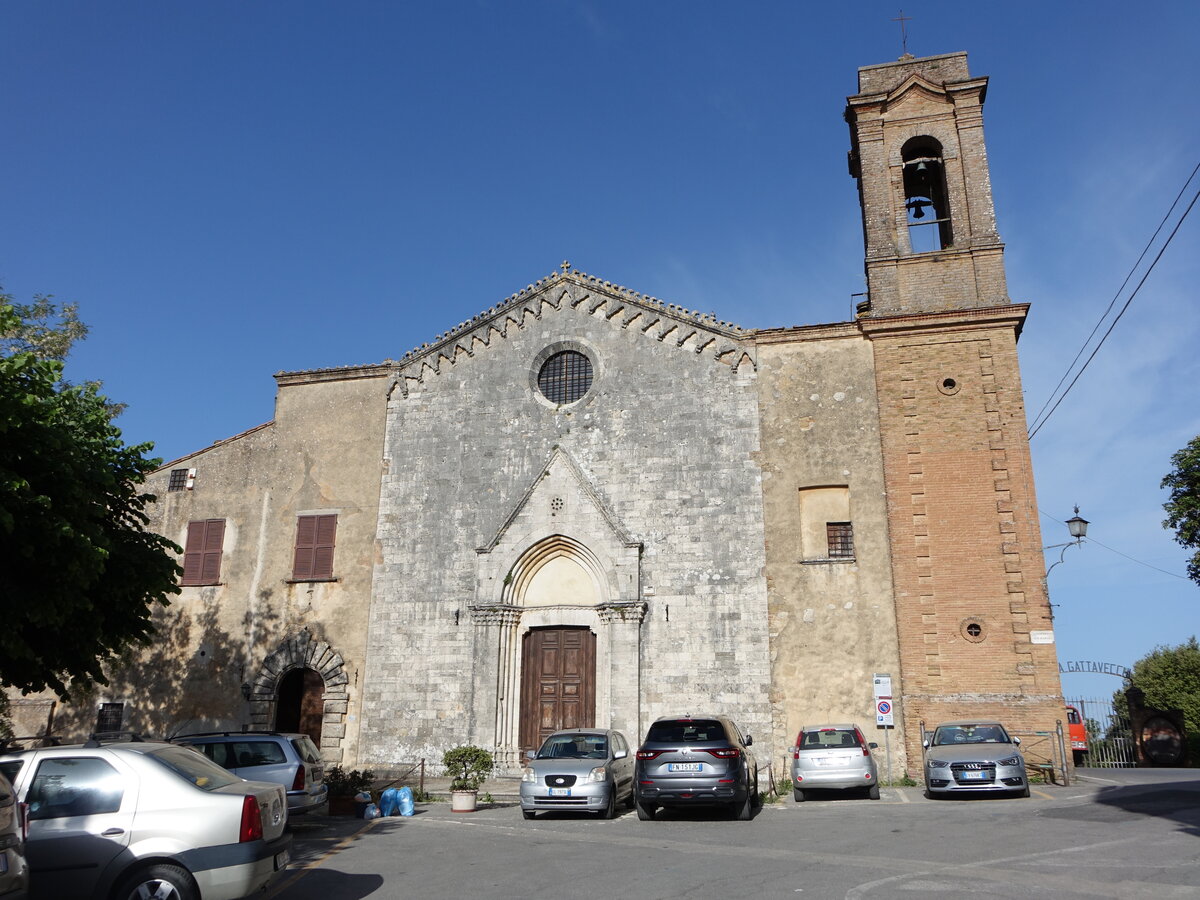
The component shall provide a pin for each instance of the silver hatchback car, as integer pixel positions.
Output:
(833, 757)
(583, 769)
(126, 821)
(973, 755)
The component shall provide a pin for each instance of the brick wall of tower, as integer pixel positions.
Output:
(962, 514)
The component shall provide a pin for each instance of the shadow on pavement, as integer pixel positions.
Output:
(321, 884)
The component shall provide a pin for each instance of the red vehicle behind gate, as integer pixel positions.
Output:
(1077, 731)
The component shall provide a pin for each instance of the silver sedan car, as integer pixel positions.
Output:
(833, 757)
(128, 821)
(973, 755)
(585, 769)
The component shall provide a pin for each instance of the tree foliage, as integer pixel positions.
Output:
(81, 574)
(1170, 679)
(1183, 506)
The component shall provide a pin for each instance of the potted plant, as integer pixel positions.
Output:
(344, 786)
(468, 767)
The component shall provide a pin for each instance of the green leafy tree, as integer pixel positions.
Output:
(1170, 679)
(81, 573)
(1183, 506)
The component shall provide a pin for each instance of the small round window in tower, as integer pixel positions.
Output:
(973, 629)
(949, 386)
(565, 377)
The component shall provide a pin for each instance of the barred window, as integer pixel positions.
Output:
(178, 480)
(840, 536)
(565, 377)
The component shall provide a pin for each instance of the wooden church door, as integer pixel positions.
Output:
(558, 683)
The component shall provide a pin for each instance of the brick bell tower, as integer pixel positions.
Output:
(974, 627)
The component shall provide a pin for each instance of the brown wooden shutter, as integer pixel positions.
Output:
(202, 555)
(313, 556)
(193, 554)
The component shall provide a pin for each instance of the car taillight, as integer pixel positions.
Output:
(649, 754)
(725, 752)
(23, 818)
(298, 781)
(251, 829)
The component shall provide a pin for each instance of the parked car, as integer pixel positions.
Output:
(835, 757)
(695, 761)
(14, 871)
(288, 759)
(145, 819)
(973, 755)
(584, 769)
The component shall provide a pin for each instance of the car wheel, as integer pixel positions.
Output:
(744, 811)
(528, 813)
(798, 794)
(631, 801)
(610, 808)
(873, 792)
(645, 811)
(162, 882)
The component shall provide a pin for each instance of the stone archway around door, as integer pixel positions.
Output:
(303, 651)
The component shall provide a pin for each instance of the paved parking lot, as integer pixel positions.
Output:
(1120, 834)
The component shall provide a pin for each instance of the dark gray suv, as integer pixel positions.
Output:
(696, 761)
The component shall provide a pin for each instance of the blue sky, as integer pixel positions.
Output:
(232, 189)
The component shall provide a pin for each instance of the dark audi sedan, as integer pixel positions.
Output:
(696, 761)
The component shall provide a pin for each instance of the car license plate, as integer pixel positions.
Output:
(281, 860)
(685, 767)
(560, 792)
(830, 760)
(972, 776)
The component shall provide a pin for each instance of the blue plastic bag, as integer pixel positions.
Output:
(370, 811)
(406, 801)
(389, 802)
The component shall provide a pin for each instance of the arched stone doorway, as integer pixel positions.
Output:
(315, 670)
(300, 706)
(558, 650)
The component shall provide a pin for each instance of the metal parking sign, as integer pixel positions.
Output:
(883, 711)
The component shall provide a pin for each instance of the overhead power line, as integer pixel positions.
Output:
(1056, 397)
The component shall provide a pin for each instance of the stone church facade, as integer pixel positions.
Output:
(586, 506)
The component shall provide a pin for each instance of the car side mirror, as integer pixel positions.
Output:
(925, 743)
(530, 754)
(793, 749)
(1017, 741)
(620, 754)
(749, 740)
(873, 745)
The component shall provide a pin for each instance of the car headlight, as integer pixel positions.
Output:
(1011, 761)
(938, 764)
(600, 773)
(528, 775)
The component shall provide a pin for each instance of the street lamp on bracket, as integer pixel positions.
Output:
(1077, 526)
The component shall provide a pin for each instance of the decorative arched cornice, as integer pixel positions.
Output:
(667, 323)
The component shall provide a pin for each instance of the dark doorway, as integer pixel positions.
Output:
(558, 682)
(301, 706)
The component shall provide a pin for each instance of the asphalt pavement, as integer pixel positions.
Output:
(1128, 833)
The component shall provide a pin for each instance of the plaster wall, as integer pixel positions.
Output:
(833, 621)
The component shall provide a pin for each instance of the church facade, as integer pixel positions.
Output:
(585, 506)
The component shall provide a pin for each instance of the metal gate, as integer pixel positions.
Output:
(1109, 733)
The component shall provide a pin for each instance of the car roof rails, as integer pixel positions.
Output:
(242, 733)
(113, 737)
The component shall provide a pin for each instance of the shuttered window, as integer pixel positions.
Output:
(202, 555)
(313, 559)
